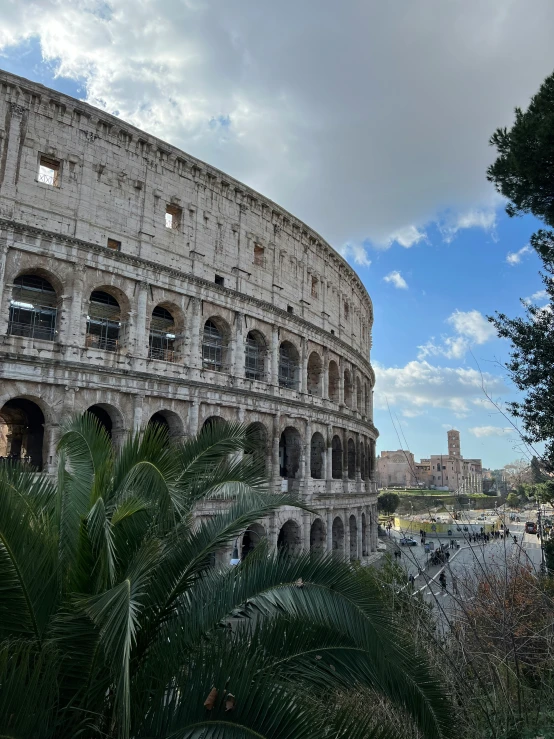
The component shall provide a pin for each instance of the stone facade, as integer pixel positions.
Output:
(144, 285)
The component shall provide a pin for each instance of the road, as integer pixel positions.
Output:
(466, 563)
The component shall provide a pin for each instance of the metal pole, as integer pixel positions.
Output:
(539, 520)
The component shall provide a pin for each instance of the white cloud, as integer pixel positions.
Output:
(404, 140)
(406, 237)
(471, 328)
(484, 219)
(396, 279)
(539, 296)
(420, 386)
(355, 253)
(482, 431)
(515, 257)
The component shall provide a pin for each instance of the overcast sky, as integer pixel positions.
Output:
(367, 119)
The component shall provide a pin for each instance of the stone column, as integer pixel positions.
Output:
(273, 532)
(5, 310)
(138, 400)
(354, 390)
(358, 461)
(329, 458)
(341, 384)
(346, 520)
(306, 526)
(275, 447)
(329, 530)
(345, 459)
(325, 375)
(138, 340)
(15, 131)
(193, 357)
(304, 366)
(308, 451)
(274, 380)
(77, 317)
(237, 347)
(359, 532)
(194, 411)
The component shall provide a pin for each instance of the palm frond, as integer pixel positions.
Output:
(99, 529)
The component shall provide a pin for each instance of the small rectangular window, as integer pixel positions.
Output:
(219, 280)
(114, 244)
(49, 171)
(173, 217)
(290, 309)
(259, 258)
(314, 287)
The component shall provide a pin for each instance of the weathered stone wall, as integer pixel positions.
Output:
(280, 279)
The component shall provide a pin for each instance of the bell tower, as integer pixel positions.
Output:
(454, 443)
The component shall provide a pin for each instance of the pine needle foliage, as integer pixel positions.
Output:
(114, 623)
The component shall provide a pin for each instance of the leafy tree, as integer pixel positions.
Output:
(536, 472)
(524, 174)
(115, 623)
(388, 502)
(512, 500)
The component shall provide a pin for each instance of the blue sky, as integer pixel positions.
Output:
(371, 123)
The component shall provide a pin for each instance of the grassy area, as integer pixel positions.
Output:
(433, 493)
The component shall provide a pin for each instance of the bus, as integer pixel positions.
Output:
(530, 527)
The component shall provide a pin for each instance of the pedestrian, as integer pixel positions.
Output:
(442, 581)
(515, 539)
(399, 554)
(454, 584)
(411, 581)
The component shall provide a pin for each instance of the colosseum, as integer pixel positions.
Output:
(144, 285)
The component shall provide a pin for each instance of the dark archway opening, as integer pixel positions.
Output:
(22, 432)
(103, 417)
(289, 541)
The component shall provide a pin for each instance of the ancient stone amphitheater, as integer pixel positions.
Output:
(143, 285)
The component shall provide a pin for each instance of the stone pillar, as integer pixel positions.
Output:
(304, 366)
(329, 531)
(308, 451)
(341, 384)
(345, 459)
(274, 380)
(237, 347)
(273, 532)
(359, 532)
(346, 519)
(15, 132)
(275, 447)
(306, 526)
(77, 317)
(137, 412)
(325, 375)
(194, 411)
(358, 460)
(4, 311)
(138, 340)
(353, 391)
(329, 458)
(373, 529)
(194, 355)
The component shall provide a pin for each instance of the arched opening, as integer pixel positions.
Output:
(289, 541)
(351, 452)
(333, 381)
(317, 536)
(255, 352)
(161, 341)
(288, 365)
(336, 458)
(371, 457)
(353, 526)
(212, 421)
(366, 399)
(364, 536)
(317, 456)
(33, 308)
(256, 442)
(359, 399)
(22, 432)
(314, 374)
(362, 461)
(168, 420)
(338, 536)
(289, 453)
(214, 345)
(101, 413)
(103, 322)
(347, 389)
(367, 461)
(251, 538)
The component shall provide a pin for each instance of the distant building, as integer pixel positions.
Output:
(447, 471)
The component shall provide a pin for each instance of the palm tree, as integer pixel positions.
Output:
(114, 622)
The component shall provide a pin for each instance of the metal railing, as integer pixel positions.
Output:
(166, 355)
(96, 341)
(32, 330)
(48, 179)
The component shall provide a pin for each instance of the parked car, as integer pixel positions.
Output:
(530, 527)
(407, 541)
